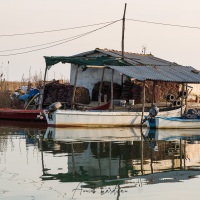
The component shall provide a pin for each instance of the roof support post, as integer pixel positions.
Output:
(141, 153)
(153, 93)
(182, 99)
(41, 97)
(100, 87)
(186, 99)
(122, 80)
(143, 102)
(74, 90)
(111, 100)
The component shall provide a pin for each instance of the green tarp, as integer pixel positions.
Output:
(80, 60)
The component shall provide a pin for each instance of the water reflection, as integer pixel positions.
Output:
(115, 154)
(95, 161)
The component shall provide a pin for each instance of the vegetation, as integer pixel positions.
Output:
(8, 99)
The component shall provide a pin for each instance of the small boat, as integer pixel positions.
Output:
(99, 118)
(173, 122)
(18, 124)
(19, 114)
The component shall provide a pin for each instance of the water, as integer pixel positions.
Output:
(121, 163)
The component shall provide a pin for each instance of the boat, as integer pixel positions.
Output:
(17, 124)
(20, 114)
(103, 118)
(99, 118)
(173, 122)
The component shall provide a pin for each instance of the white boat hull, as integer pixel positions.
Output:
(73, 118)
(173, 123)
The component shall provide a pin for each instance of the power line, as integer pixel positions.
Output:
(159, 23)
(49, 31)
(40, 44)
(65, 41)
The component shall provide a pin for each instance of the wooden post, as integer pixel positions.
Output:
(141, 152)
(111, 100)
(41, 149)
(153, 94)
(182, 100)
(122, 80)
(41, 97)
(74, 90)
(186, 99)
(100, 87)
(181, 155)
(73, 163)
(143, 102)
(110, 158)
(123, 30)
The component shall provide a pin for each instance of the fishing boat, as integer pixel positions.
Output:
(112, 117)
(173, 122)
(20, 114)
(99, 118)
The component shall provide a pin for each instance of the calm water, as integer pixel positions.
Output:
(121, 163)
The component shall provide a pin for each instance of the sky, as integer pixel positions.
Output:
(17, 18)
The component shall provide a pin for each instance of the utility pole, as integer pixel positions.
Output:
(123, 30)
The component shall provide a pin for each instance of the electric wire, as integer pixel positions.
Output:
(81, 35)
(165, 24)
(40, 44)
(56, 30)
(65, 41)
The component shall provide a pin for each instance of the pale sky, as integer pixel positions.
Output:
(175, 44)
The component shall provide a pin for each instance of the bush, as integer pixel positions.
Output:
(7, 102)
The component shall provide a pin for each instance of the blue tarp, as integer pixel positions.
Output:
(31, 94)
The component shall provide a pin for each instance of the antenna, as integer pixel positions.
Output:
(144, 48)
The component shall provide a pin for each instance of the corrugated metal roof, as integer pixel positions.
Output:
(131, 58)
(136, 59)
(174, 73)
(149, 67)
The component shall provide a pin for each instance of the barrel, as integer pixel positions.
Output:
(170, 97)
(176, 103)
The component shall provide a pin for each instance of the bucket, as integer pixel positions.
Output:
(131, 102)
(122, 102)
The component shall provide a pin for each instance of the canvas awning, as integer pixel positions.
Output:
(80, 60)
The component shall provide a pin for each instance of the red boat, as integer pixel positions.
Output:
(18, 114)
(33, 115)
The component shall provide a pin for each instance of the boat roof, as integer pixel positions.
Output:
(137, 66)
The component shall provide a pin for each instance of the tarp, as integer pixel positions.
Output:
(80, 60)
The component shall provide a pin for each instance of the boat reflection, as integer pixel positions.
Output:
(98, 161)
(92, 134)
(173, 134)
(122, 156)
(29, 131)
